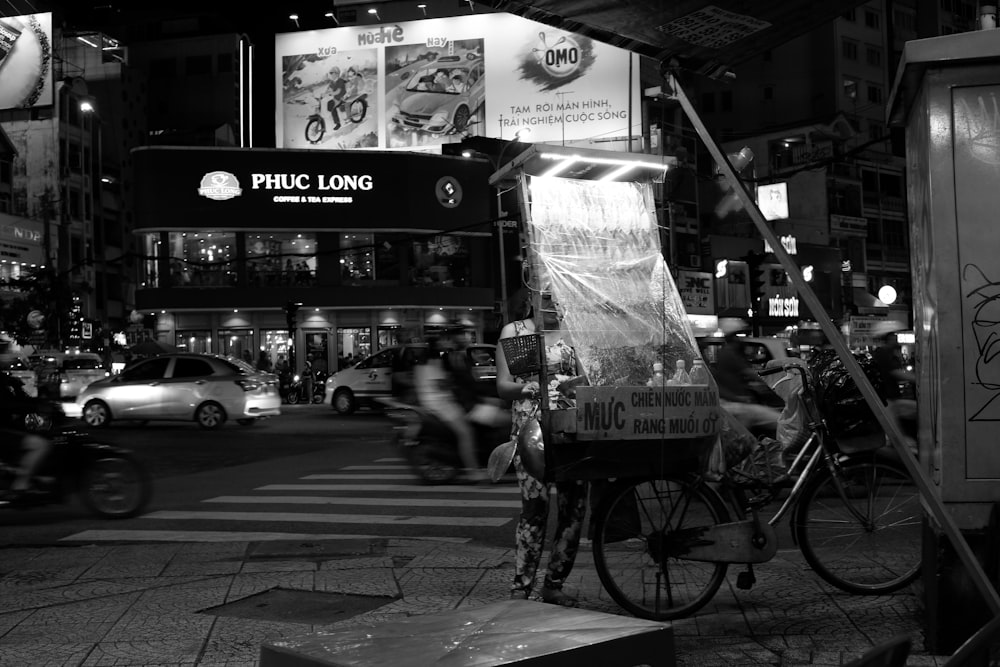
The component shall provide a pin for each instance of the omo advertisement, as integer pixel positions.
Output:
(419, 84)
(25, 61)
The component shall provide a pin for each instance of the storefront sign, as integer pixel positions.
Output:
(697, 291)
(499, 73)
(787, 242)
(783, 307)
(208, 188)
(645, 413)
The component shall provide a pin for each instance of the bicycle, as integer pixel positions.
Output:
(662, 546)
(355, 108)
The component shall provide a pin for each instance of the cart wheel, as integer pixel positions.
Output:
(640, 531)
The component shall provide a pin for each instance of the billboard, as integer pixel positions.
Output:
(773, 200)
(416, 85)
(26, 61)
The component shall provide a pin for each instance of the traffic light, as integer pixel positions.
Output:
(757, 277)
(291, 308)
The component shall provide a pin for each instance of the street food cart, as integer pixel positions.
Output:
(595, 246)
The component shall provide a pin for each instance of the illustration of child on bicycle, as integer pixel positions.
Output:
(337, 89)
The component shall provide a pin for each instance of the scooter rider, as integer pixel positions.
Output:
(338, 90)
(435, 389)
(29, 449)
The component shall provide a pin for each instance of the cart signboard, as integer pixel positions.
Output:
(646, 413)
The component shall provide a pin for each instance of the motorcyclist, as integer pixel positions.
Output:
(435, 381)
(16, 443)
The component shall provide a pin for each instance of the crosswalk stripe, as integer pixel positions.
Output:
(374, 502)
(229, 536)
(474, 490)
(368, 519)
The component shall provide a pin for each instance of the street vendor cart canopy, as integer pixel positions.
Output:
(707, 37)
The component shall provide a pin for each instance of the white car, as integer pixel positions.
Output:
(206, 388)
(63, 375)
(372, 377)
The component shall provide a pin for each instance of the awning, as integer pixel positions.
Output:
(706, 36)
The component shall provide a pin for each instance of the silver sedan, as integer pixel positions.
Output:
(205, 388)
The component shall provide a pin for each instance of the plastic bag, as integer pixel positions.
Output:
(734, 444)
(791, 431)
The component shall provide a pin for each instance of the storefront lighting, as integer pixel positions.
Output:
(721, 268)
(807, 273)
(374, 12)
(294, 18)
(887, 294)
(559, 167)
(86, 106)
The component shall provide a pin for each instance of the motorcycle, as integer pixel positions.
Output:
(430, 447)
(319, 387)
(108, 479)
(290, 387)
(355, 108)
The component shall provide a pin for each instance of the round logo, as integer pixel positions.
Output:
(448, 192)
(35, 319)
(560, 58)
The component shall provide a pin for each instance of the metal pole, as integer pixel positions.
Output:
(931, 501)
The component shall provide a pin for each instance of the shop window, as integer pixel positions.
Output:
(194, 340)
(440, 261)
(357, 260)
(237, 343)
(151, 253)
(202, 259)
(354, 343)
(281, 259)
(274, 348)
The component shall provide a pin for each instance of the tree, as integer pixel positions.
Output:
(45, 291)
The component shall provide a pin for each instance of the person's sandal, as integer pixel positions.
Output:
(556, 596)
(519, 595)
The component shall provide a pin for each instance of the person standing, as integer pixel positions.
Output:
(892, 373)
(571, 496)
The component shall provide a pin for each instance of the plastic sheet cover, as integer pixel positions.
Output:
(596, 245)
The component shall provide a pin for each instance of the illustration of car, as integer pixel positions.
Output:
(442, 97)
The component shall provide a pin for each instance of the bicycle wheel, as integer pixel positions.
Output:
(875, 554)
(640, 528)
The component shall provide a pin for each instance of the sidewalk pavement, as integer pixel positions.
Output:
(217, 603)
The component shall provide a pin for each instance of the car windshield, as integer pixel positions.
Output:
(449, 80)
(82, 363)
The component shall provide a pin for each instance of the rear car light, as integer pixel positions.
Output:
(248, 385)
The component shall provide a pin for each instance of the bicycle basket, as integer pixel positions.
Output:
(521, 353)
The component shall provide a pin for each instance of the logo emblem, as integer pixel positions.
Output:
(557, 58)
(448, 192)
(220, 186)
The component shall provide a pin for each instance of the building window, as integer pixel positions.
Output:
(202, 259)
(357, 260)
(273, 347)
(850, 86)
(873, 55)
(442, 261)
(849, 49)
(849, 15)
(874, 93)
(151, 248)
(871, 19)
(194, 340)
(281, 259)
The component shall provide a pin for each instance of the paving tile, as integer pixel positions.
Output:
(47, 654)
(247, 584)
(98, 610)
(71, 630)
(279, 566)
(240, 639)
(199, 567)
(438, 581)
(137, 625)
(186, 598)
(181, 652)
(356, 563)
(380, 581)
